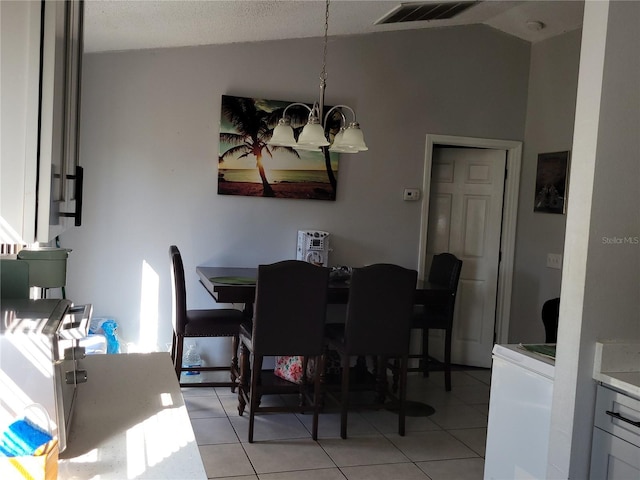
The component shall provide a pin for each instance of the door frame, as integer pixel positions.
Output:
(509, 216)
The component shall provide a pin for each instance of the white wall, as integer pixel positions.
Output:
(149, 148)
(553, 80)
(601, 277)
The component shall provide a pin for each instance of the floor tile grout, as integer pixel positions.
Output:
(421, 388)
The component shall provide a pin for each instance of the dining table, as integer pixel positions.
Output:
(238, 285)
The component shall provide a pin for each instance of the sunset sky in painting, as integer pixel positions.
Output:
(281, 159)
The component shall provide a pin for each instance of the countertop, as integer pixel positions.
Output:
(617, 364)
(519, 355)
(130, 421)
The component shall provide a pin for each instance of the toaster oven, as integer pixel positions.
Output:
(39, 353)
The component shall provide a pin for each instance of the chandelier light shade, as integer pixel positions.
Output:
(314, 134)
(353, 138)
(283, 134)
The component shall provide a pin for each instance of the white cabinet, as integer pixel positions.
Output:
(519, 414)
(41, 181)
(615, 451)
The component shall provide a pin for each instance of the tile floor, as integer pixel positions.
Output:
(449, 444)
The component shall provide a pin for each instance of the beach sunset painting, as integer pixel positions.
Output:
(248, 166)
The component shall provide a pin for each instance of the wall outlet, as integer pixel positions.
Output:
(554, 260)
(411, 194)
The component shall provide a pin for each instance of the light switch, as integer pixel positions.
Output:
(554, 260)
(411, 194)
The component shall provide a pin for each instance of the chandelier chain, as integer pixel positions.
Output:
(314, 135)
(323, 75)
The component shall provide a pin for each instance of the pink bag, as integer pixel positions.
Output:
(289, 367)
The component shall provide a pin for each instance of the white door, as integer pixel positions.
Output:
(465, 217)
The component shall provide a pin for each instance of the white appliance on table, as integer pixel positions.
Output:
(313, 247)
(519, 414)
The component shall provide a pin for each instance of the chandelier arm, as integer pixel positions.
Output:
(284, 113)
(344, 119)
(315, 112)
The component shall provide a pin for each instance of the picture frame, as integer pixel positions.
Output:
(552, 176)
(249, 166)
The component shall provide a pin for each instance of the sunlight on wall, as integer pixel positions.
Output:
(149, 295)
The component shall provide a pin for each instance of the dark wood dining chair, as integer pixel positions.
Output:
(378, 324)
(445, 270)
(289, 316)
(224, 322)
(550, 314)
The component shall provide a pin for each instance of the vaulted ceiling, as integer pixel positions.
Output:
(130, 25)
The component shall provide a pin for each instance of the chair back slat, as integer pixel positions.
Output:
(380, 309)
(445, 270)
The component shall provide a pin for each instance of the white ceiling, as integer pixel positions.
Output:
(130, 25)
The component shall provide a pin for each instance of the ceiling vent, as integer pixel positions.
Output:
(418, 12)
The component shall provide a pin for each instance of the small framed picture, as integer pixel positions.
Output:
(552, 183)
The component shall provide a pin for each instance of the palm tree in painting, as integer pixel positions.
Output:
(252, 128)
(251, 135)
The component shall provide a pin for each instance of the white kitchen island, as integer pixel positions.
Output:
(130, 422)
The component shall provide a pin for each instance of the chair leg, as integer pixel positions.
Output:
(173, 348)
(425, 352)
(323, 378)
(394, 373)
(381, 378)
(447, 360)
(242, 379)
(234, 371)
(344, 397)
(404, 361)
(317, 395)
(253, 393)
(304, 383)
(177, 361)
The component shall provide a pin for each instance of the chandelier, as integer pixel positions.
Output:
(349, 138)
